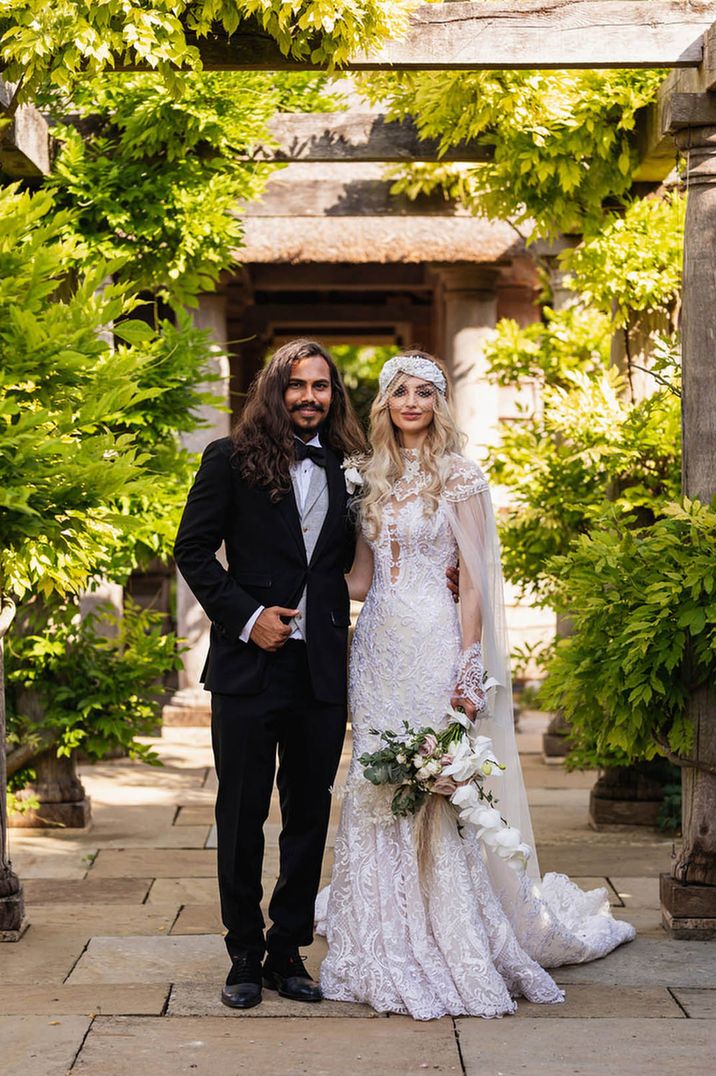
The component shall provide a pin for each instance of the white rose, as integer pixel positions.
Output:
(400, 758)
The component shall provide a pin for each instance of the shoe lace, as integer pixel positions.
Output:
(244, 968)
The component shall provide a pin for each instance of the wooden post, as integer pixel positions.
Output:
(688, 895)
(11, 895)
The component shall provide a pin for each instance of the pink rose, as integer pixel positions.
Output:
(428, 746)
(444, 786)
(447, 760)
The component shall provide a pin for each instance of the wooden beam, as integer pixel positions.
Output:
(524, 34)
(329, 197)
(690, 110)
(657, 151)
(357, 136)
(337, 277)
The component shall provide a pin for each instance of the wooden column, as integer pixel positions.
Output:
(12, 901)
(688, 895)
(190, 705)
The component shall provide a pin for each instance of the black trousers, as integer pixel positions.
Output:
(247, 732)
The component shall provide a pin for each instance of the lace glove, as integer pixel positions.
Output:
(471, 678)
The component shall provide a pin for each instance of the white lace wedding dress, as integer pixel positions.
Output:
(461, 932)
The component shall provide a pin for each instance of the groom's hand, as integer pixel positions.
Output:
(270, 632)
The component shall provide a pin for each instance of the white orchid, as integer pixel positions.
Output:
(473, 757)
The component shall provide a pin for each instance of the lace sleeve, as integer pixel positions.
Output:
(466, 480)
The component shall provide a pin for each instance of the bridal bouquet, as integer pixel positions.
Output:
(451, 763)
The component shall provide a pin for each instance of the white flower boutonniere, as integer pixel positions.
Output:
(352, 474)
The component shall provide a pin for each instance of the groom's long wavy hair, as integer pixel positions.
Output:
(263, 437)
(386, 464)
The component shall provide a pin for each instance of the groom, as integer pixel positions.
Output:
(275, 495)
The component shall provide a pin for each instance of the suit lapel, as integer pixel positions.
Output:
(288, 510)
(336, 499)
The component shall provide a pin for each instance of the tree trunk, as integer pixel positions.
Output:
(12, 903)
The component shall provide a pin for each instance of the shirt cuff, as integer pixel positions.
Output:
(249, 625)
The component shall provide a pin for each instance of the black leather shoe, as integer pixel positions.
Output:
(242, 989)
(287, 974)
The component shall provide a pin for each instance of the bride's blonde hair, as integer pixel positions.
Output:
(386, 465)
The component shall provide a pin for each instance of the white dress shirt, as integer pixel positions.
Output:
(301, 474)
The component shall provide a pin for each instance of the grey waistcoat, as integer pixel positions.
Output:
(312, 515)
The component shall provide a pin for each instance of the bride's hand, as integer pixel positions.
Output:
(458, 702)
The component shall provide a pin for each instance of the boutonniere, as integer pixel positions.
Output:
(351, 472)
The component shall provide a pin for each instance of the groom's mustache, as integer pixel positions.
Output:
(318, 408)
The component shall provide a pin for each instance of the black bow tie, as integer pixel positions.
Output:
(316, 453)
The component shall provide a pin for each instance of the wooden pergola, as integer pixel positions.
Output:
(551, 34)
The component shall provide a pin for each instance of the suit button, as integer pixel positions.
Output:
(305, 530)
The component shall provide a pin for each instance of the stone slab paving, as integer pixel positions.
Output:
(133, 936)
(43, 955)
(40, 1046)
(125, 918)
(583, 858)
(198, 919)
(699, 1004)
(187, 958)
(627, 1047)
(171, 837)
(194, 816)
(156, 863)
(86, 890)
(203, 891)
(649, 961)
(597, 1001)
(130, 999)
(202, 999)
(637, 892)
(206, 1046)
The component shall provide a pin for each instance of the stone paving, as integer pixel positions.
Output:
(120, 967)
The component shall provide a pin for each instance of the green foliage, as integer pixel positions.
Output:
(645, 636)
(563, 139)
(67, 40)
(573, 340)
(156, 180)
(587, 442)
(360, 368)
(95, 692)
(84, 429)
(634, 262)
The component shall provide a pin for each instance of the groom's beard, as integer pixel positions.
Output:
(316, 411)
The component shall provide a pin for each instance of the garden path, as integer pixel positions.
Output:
(120, 967)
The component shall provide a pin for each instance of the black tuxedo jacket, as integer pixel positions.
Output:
(267, 565)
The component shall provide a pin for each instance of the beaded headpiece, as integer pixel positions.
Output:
(414, 366)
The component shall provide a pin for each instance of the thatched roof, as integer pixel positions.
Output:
(377, 239)
(345, 213)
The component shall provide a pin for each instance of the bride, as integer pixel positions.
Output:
(435, 922)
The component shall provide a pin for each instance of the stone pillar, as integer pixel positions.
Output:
(469, 316)
(190, 705)
(688, 894)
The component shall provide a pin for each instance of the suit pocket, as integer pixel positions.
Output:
(252, 579)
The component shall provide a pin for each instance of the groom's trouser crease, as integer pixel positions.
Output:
(246, 733)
